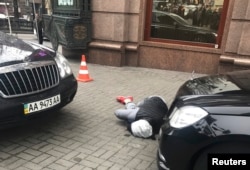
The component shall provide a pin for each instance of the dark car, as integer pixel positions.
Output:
(33, 80)
(171, 26)
(210, 115)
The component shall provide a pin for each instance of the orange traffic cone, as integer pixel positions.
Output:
(83, 72)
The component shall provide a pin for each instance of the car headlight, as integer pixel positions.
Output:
(63, 65)
(186, 116)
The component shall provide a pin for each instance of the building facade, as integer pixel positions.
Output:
(122, 36)
(17, 8)
(204, 36)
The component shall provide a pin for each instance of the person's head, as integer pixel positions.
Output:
(141, 128)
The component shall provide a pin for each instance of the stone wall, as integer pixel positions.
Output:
(118, 40)
(115, 32)
(237, 51)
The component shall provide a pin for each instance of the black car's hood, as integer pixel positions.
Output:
(229, 83)
(14, 50)
(218, 104)
(220, 94)
(199, 29)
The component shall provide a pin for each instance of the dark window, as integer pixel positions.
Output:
(194, 22)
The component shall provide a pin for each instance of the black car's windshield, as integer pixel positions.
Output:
(241, 79)
(180, 19)
(161, 17)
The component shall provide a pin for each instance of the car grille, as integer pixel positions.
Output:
(28, 78)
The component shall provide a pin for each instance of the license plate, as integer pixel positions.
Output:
(41, 104)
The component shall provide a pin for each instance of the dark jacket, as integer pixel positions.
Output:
(153, 110)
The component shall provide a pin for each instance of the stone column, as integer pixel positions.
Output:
(115, 32)
(237, 51)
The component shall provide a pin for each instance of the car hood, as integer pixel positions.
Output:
(228, 83)
(220, 94)
(194, 28)
(14, 51)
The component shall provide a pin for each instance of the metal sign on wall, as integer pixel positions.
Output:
(70, 23)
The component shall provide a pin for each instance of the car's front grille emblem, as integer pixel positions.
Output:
(32, 78)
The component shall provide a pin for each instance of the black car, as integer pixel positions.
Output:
(34, 79)
(171, 26)
(209, 118)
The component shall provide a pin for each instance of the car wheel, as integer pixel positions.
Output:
(200, 38)
(201, 162)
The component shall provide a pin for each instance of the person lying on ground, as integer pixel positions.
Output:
(145, 118)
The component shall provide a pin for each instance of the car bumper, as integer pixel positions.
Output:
(177, 148)
(161, 161)
(12, 110)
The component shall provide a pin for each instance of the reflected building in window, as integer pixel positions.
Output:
(65, 2)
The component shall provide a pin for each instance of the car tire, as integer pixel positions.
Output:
(224, 148)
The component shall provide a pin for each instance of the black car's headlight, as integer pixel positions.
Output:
(186, 116)
(216, 35)
(63, 65)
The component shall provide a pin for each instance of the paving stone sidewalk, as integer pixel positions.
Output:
(85, 135)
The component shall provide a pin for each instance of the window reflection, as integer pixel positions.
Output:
(65, 2)
(187, 20)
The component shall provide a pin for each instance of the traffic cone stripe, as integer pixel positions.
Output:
(83, 72)
(83, 63)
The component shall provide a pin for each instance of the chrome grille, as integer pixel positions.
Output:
(28, 78)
